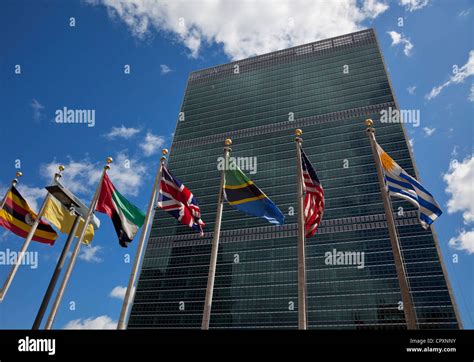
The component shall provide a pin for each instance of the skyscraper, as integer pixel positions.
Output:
(327, 88)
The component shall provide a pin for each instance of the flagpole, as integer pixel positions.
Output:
(408, 308)
(14, 182)
(57, 270)
(206, 316)
(302, 316)
(26, 243)
(130, 293)
(77, 247)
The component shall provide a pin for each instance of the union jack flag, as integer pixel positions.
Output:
(176, 199)
(314, 197)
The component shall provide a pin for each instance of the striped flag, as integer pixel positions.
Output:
(241, 193)
(176, 199)
(126, 217)
(60, 217)
(400, 184)
(313, 197)
(18, 217)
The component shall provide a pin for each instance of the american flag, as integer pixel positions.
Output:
(314, 197)
(176, 199)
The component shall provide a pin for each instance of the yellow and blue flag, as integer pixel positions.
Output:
(400, 184)
(244, 195)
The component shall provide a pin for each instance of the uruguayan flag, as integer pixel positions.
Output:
(401, 184)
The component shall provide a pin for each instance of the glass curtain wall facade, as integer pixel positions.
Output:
(327, 88)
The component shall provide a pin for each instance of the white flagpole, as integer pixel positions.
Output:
(130, 293)
(27, 241)
(206, 316)
(302, 317)
(77, 247)
(408, 308)
(57, 270)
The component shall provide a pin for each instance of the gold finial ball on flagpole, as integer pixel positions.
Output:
(298, 132)
(19, 174)
(228, 142)
(109, 160)
(61, 168)
(164, 152)
(369, 123)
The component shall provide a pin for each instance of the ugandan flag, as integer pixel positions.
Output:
(244, 195)
(126, 217)
(18, 217)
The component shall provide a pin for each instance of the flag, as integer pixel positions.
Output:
(400, 184)
(126, 217)
(176, 199)
(244, 195)
(18, 217)
(313, 197)
(60, 217)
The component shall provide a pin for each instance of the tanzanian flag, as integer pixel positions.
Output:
(244, 195)
(17, 216)
(126, 217)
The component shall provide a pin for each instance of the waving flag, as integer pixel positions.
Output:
(245, 196)
(400, 184)
(17, 216)
(313, 198)
(126, 217)
(57, 215)
(176, 199)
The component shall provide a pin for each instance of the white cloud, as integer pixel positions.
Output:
(464, 241)
(3, 190)
(462, 73)
(101, 322)
(243, 28)
(398, 38)
(434, 92)
(460, 180)
(4, 235)
(151, 144)
(127, 174)
(82, 176)
(413, 5)
(454, 152)
(471, 93)
(411, 89)
(460, 186)
(122, 132)
(465, 12)
(118, 292)
(37, 109)
(411, 142)
(76, 177)
(429, 131)
(89, 253)
(373, 8)
(165, 69)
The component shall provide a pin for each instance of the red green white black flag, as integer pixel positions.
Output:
(126, 217)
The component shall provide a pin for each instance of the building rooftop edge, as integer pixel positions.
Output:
(272, 55)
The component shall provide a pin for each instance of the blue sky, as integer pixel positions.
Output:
(82, 67)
